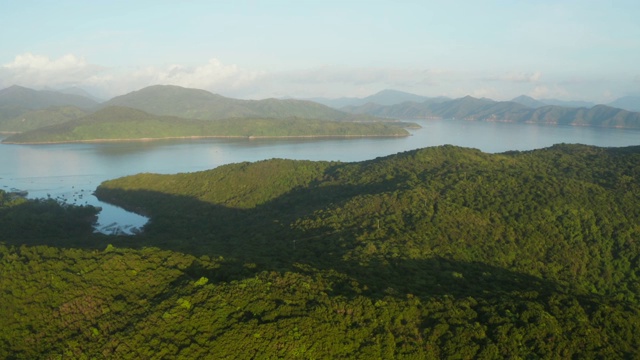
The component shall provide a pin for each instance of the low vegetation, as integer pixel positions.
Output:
(442, 252)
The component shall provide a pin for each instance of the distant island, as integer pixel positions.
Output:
(125, 124)
(170, 112)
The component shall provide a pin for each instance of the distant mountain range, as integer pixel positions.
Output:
(533, 103)
(393, 97)
(522, 109)
(384, 97)
(23, 109)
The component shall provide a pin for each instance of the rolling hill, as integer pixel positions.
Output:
(528, 101)
(200, 104)
(385, 97)
(23, 108)
(25, 98)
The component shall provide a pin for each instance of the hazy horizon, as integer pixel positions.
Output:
(567, 50)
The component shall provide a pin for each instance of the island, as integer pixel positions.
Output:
(116, 123)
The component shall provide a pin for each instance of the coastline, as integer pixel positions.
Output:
(250, 137)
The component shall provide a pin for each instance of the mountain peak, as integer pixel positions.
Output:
(528, 101)
(15, 89)
(19, 96)
(392, 92)
(523, 97)
(470, 99)
(629, 103)
(200, 104)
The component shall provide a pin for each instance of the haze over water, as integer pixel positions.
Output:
(71, 172)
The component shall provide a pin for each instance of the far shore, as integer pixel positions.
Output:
(250, 137)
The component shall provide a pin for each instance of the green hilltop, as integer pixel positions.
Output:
(24, 109)
(442, 252)
(174, 100)
(25, 98)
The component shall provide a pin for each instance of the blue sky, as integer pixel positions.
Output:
(572, 50)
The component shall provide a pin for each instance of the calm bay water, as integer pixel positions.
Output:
(71, 172)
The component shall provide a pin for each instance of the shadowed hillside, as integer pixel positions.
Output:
(441, 252)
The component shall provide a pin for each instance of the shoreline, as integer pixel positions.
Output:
(249, 137)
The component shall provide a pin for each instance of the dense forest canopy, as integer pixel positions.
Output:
(442, 252)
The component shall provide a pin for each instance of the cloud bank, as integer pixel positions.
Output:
(39, 71)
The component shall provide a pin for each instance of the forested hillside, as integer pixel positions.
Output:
(442, 252)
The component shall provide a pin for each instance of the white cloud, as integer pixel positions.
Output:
(40, 71)
(211, 75)
(485, 92)
(363, 76)
(544, 92)
(32, 62)
(37, 71)
(522, 77)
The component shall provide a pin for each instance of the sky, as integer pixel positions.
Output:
(570, 50)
